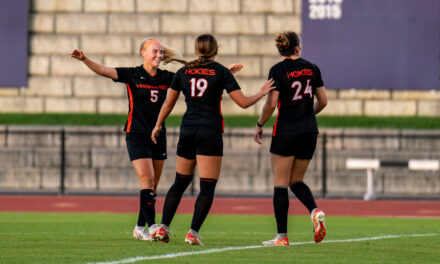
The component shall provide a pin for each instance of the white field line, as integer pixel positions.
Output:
(215, 250)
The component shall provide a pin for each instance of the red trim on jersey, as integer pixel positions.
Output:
(276, 120)
(223, 121)
(130, 115)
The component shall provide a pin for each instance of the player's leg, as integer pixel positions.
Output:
(209, 161)
(209, 172)
(303, 193)
(184, 176)
(306, 147)
(140, 153)
(158, 167)
(145, 172)
(297, 185)
(159, 155)
(280, 168)
(185, 166)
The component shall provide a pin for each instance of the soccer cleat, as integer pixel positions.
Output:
(193, 239)
(277, 241)
(139, 232)
(163, 234)
(318, 218)
(152, 232)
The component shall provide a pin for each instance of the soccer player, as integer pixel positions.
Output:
(147, 88)
(202, 82)
(295, 132)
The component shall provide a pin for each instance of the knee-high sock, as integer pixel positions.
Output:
(303, 193)
(203, 202)
(281, 207)
(174, 195)
(141, 219)
(148, 201)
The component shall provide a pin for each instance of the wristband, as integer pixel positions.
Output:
(259, 125)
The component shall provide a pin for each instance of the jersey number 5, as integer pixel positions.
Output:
(200, 84)
(154, 95)
(298, 86)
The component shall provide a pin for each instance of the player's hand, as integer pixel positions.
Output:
(77, 54)
(258, 134)
(155, 133)
(234, 68)
(267, 87)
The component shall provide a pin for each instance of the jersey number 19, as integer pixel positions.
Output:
(200, 85)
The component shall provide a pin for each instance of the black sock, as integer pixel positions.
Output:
(141, 219)
(281, 207)
(203, 202)
(148, 200)
(174, 195)
(303, 193)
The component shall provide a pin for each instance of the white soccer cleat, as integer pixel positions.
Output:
(139, 232)
(318, 218)
(277, 241)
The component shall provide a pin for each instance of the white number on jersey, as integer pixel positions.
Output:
(200, 84)
(154, 95)
(298, 86)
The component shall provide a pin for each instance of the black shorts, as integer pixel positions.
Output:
(302, 146)
(199, 140)
(140, 146)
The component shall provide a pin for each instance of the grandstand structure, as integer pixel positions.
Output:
(90, 159)
(110, 31)
(93, 160)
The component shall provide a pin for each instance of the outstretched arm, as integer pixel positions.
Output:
(93, 65)
(166, 109)
(245, 101)
(266, 113)
(234, 68)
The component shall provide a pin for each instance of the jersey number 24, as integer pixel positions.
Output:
(298, 86)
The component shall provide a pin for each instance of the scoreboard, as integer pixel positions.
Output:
(373, 44)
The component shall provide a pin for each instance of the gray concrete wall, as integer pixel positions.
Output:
(97, 161)
(110, 32)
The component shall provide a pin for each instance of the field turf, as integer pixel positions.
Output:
(415, 122)
(107, 238)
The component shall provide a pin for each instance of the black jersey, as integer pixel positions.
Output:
(296, 80)
(146, 95)
(203, 87)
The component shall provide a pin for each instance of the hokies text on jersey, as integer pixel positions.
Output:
(296, 74)
(200, 71)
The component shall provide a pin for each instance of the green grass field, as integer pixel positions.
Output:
(107, 238)
(230, 121)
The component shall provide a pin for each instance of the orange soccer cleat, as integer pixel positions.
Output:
(277, 241)
(318, 218)
(193, 239)
(163, 234)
